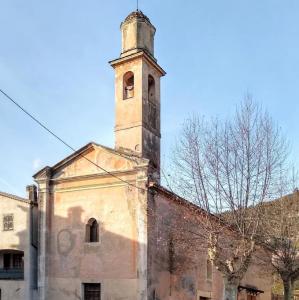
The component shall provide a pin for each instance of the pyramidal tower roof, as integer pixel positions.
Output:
(137, 14)
(137, 34)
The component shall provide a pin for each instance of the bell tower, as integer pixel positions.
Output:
(137, 90)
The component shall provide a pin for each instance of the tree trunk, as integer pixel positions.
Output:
(230, 290)
(288, 286)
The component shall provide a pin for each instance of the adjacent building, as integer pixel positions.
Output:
(18, 247)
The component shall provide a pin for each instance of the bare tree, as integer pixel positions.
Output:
(279, 234)
(227, 167)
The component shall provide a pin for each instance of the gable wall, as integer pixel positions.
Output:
(118, 260)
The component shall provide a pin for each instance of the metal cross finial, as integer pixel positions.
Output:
(137, 5)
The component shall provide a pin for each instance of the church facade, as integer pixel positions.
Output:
(104, 222)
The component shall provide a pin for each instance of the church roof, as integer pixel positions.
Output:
(14, 197)
(191, 206)
(127, 154)
(174, 197)
(137, 14)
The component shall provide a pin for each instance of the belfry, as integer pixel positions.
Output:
(137, 90)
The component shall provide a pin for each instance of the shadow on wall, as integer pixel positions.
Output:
(114, 259)
(111, 260)
(114, 256)
(29, 238)
(71, 255)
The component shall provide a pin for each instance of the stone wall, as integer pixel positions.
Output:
(178, 255)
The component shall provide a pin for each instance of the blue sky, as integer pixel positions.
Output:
(54, 60)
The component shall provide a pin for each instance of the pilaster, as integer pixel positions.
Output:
(43, 181)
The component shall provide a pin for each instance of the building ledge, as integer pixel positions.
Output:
(139, 54)
(11, 274)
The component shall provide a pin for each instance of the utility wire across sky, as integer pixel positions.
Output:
(64, 142)
(73, 149)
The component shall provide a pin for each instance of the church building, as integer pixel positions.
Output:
(105, 224)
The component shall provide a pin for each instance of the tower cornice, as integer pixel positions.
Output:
(140, 54)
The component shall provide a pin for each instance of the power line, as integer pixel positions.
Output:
(73, 149)
(63, 142)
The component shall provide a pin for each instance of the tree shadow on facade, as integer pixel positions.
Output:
(72, 261)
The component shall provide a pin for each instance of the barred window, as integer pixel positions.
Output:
(92, 291)
(8, 222)
(18, 261)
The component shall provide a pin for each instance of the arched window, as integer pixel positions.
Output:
(92, 231)
(128, 85)
(151, 89)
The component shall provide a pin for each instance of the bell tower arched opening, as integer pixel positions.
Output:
(151, 89)
(128, 85)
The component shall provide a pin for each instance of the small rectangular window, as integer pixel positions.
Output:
(209, 270)
(92, 291)
(8, 222)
